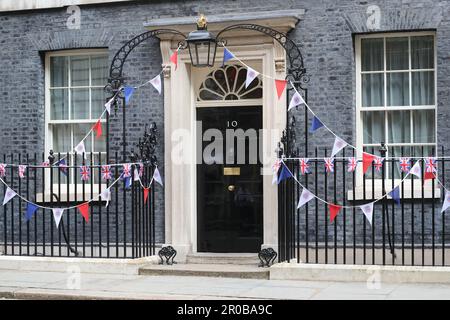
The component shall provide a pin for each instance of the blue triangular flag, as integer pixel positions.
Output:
(284, 174)
(227, 55)
(128, 91)
(395, 194)
(316, 124)
(127, 182)
(31, 209)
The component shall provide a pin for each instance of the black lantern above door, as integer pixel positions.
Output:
(202, 45)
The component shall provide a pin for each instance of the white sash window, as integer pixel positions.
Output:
(396, 93)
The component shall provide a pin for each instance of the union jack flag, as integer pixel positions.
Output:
(351, 164)
(378, 163)
(329, 164)
(141, 169)
(126, 170)
(430, 164)
(22, 169)
(2, 170)
(85, 172)
(304, 166)
(106, 172)
(405, 164)
(276, 166)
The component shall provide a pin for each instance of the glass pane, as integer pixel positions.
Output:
(242, 75)
(80, 104)
(208, 95)
(399, 123)
(213, 85)
(423, 126)
(59, 75)
(372, 54)
(99, 70)
(398, 89)
(372, 90)
(397, 54)
(79, 132)
(98, 98)
(373, 127)
(424, 151)
(232, 77)
(423, 88)
(61, 138)
(79, 70)
(422, 52)
(219, 76)
(59, 104)
(100, 142)
(255, 94)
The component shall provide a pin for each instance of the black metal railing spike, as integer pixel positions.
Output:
(415, 224)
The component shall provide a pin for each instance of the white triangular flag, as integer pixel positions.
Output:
(108, 105)
(9, 194)
(80, 149)
(251, 75)
(296, 100)
(367, 209)
(305, 197)
(275, 178)
(136, 175)
(339, 144)
(446, 203)
(416, 170)
(156, 82)
(157, 176)
(106, 195)
(57, 215)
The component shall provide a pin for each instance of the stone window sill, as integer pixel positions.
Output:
(409, 192)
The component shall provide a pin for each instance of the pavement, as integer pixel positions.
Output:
(73, 285)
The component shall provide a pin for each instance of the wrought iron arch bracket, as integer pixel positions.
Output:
(296, 71)
(115, 80)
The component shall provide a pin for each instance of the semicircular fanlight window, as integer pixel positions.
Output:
(228, 83)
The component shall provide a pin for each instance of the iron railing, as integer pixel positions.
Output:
(125, 228)
(414, 232)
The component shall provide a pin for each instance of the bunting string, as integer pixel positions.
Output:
(11, 194)
(346, 206)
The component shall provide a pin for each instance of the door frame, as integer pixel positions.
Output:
(180, 178)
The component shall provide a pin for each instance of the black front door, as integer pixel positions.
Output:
(229, 180)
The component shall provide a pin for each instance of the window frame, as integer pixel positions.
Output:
(360, 110)
(48, 134)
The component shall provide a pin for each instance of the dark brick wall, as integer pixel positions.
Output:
(326, 32)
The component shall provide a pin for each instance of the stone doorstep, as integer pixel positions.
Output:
(207, 270)
(85, 265)
(223, 258)
(359, 273)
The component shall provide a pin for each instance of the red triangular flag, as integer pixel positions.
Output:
(334, 210)
(146, 190)
(174, 59)
(98, 128)
(84, 210)
(280, 85)
(367, 161)
(429, 176)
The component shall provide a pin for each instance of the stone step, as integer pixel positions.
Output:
(250, 259)
(206, 270)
